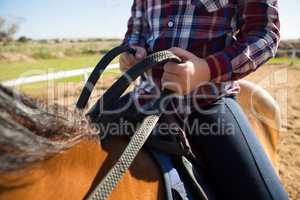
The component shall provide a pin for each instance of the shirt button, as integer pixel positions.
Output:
(170, 24)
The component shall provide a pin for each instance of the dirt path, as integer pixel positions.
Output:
(283, 82)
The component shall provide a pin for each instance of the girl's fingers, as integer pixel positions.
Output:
(182, 53)
(170, 77)
(173, 87)
(130, 59)
(123, 63)
(170, 81)
(173, 68)
(127, 60)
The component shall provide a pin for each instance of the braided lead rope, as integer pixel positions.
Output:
(110, 181)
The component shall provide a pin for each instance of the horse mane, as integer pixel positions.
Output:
(30, 133)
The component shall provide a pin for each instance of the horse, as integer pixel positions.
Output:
(71, 168)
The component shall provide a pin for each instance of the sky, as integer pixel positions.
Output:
(44, 19)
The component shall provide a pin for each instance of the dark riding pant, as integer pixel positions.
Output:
(236, 162)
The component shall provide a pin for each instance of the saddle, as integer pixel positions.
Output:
(182, 172)
(180, 168)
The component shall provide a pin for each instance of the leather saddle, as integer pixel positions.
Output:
(174, 147)
(182, 171)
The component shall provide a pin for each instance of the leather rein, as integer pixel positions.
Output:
(110, 97)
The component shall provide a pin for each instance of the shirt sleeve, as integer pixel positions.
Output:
(136, 27)
(256, 41)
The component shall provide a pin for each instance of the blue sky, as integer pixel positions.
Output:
(99, 18)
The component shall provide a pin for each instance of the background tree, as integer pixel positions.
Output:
(7, 30)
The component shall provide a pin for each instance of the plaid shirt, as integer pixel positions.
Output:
(234, 36)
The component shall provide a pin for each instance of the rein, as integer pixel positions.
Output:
(110, 97)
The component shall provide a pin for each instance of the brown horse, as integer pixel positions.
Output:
(70, 169)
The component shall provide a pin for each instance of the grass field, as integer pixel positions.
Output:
(58, 49)
(25, 59)
(13, 70)
(33, 58)
(284, 61)
(36, 89)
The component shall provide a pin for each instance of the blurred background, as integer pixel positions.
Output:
(48, 49)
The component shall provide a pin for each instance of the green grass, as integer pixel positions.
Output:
(276, 61)
(36, 88)
(50, 56)
(38, 57)
(20, 69)
(13, 70)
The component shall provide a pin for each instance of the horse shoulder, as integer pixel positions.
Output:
(74, 173)
(66, 175)
(143, 179)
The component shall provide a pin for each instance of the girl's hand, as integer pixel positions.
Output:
(184, 78)
(127, 60)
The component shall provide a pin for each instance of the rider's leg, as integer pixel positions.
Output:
(236, 161)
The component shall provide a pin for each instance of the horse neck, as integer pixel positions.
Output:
(74, 173)
(68, 175)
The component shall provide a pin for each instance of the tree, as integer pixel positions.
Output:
(24, 39)
(7, 30)
(2, 22)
